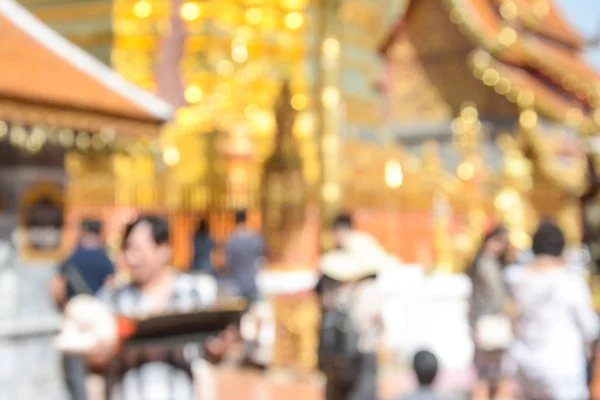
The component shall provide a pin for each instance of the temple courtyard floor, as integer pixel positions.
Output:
(237, 384)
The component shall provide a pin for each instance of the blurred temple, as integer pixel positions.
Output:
(61, 110)
(503, 90)
(500, 86)
(61, 119)
(427, 120)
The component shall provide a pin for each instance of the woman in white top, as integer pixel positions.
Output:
(556, 324)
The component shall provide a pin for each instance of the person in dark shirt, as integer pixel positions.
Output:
(203, 247)
(89, 267)
(425, 365)
(84, 272)
(242, 253)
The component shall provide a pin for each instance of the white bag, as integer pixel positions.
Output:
(493, 332)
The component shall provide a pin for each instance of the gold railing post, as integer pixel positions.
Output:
(329, 112)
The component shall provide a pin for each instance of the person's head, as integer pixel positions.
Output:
(91, 232)
(241, 217)
(548, 240)
(425, 364)
(202, 228)
(496, 243)
(146, 248)
(342, 225)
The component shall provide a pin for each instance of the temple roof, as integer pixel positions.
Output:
(544, 18)
(523, 45)
(41, 68)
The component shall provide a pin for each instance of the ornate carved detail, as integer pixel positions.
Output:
(296, 342)
(41, 221)
(512, 202)
(415, 98)
(33, 114)
(467, 140)
(285, 147)
(560, 163)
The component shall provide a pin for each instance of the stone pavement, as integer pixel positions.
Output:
(233, 384)
(236, 384)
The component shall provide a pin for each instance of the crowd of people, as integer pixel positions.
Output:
(541, 324)
(533, 323)
(153, 288)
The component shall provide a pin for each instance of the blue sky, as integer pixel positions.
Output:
(585, 16)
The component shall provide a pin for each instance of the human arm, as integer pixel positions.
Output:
(58, 286)
(108, 273)
(89, 328)
(100, 355)
(58, 290)
(585, 315)
(227, 255)
(262, 245)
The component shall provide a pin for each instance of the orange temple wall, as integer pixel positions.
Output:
(407, 234)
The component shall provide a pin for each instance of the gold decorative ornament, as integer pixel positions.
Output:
(509, 10)
(394, 176)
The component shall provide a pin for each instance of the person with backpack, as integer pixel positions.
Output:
(85, 271)
(351, 321)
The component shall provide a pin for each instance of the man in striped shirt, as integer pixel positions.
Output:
(156, 288)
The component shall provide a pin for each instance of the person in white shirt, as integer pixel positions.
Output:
(556, 323)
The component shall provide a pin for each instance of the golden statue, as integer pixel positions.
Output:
(466, 139)
(285, 191)
(291, 232)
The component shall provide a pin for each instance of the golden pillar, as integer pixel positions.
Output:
(445, 259)
(435, 185)
(511, 202)
(329, 112)
(467, 132)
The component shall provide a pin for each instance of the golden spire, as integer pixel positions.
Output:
(285, 115)
(286, 151)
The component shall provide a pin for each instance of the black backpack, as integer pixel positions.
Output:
(338, 346)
